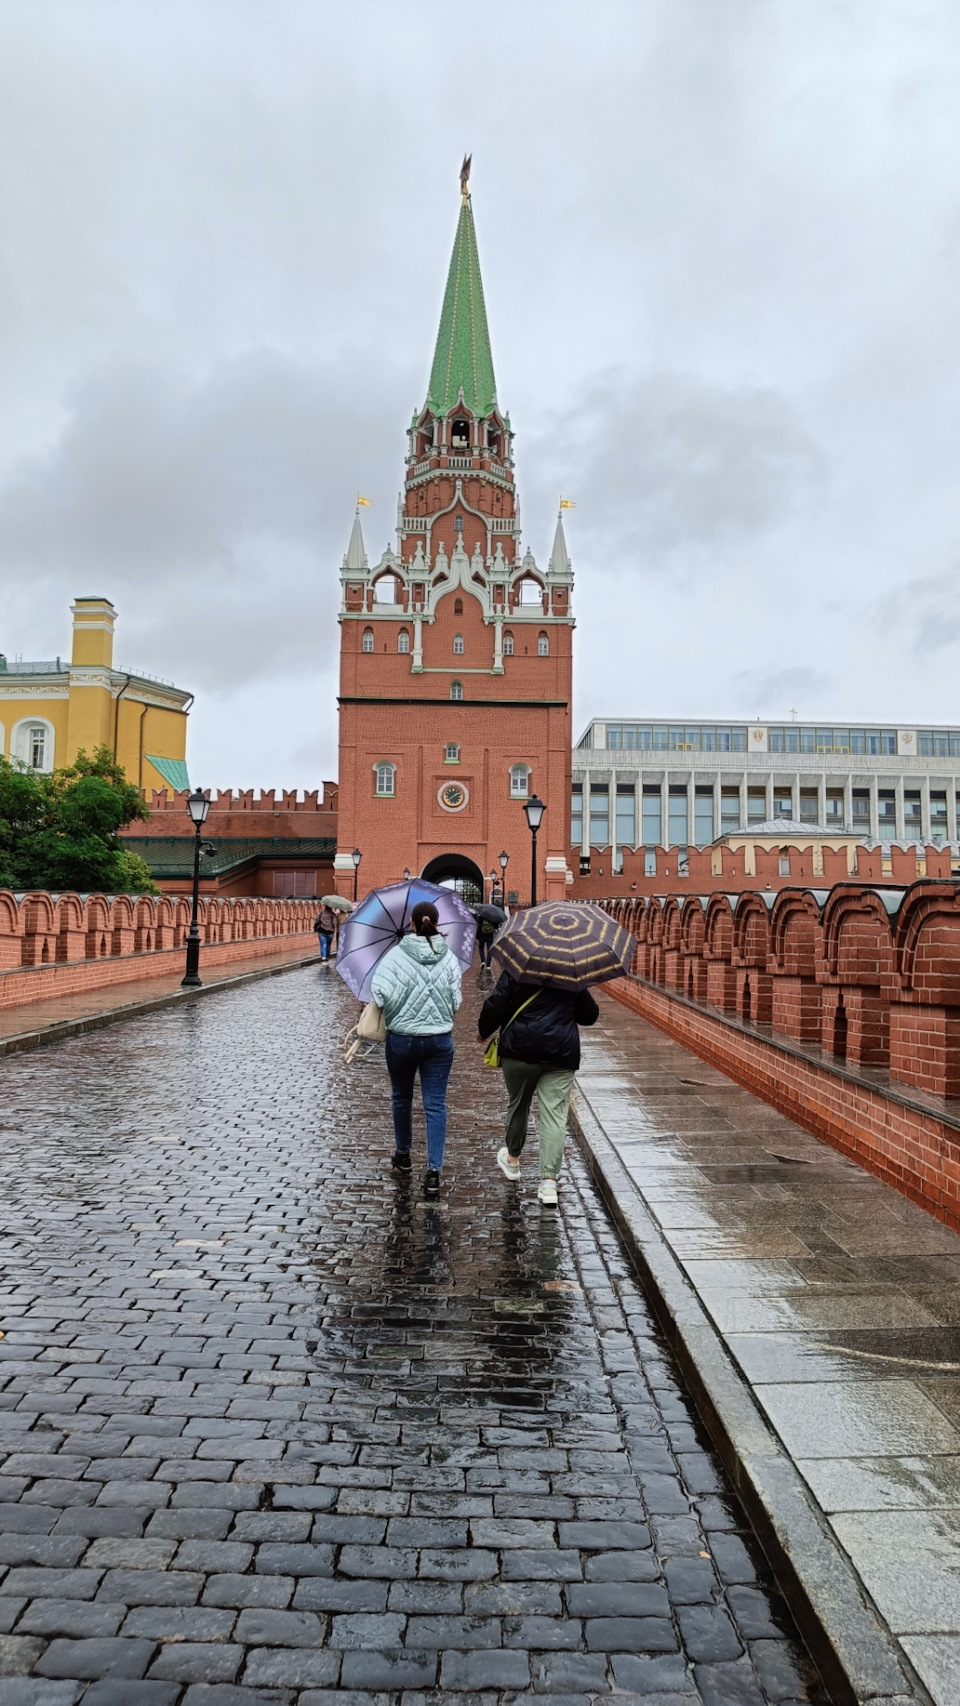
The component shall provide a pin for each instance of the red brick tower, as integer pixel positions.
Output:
(455, 649)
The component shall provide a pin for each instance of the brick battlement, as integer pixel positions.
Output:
(55, 945)
(709, 868)
(245, 812)
(824, 1002)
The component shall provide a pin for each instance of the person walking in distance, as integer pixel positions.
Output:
(325, 925)
(539, 1056)
(486, 930)
(417, 984)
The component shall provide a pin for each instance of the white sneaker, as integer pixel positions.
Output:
(508, 1164)
(548, 1192)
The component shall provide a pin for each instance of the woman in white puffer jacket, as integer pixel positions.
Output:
(418, 986)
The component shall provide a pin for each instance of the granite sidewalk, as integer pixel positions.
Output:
(816, 1316)
(37, 1022)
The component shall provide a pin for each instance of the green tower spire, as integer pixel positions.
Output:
(462, 356)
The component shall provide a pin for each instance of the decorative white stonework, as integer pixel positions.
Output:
(756, 738)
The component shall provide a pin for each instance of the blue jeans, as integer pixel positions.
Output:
(325, 937)
(433, 1056)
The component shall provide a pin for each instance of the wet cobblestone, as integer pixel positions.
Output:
(275, 1428)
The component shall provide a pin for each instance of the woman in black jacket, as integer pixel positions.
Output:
(539, 1055)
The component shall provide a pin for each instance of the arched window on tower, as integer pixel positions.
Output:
(385, 780)
(451, 753)
(458, 645)
(459, 435)
(368, 639)
(456, 689)
(531, 592)
(403, 641)
(508, 644)
(386, 590)
(543, 645)
(519, 781)
(458, 607)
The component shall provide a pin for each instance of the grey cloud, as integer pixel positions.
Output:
(221, 507)
(927, 609)
(671, 463)
(769, 690)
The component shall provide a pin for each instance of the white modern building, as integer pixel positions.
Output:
(672, 784)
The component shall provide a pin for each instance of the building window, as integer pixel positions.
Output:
(368, 639)
(938, 743)
(635, 737)
(37, 747)
(600, 815)
(403, 641)
(531, 592)
(386, 590)
(729, 811)
(458, 645)
(887, 814)
(652, 827)
(458, 607)
(861, 811)
(626, 815)
(677, 817)
(650, 862)
(756, 805)
(809, 805)
(784, 861)
(508, 644)
(912, 815)
(460, 440)
(456, 689)
(576, 815)
(543, 645)
(782, 801)
(386, 776)
(703, 816)
(938, 816)
(836, 817)
(451, 754)
(519, 781)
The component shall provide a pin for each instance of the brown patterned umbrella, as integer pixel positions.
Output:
(567, 946)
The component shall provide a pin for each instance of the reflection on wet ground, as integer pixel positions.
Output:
(273, 1425)
(837, 1298)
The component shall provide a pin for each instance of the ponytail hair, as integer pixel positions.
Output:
(425, 918)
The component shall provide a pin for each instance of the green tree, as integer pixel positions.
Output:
(62, 831)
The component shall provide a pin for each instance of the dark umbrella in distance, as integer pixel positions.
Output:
(491, 915)
(382, 919)
(568, 947)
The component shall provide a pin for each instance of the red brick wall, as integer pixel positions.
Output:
(60, 945)
(916, 1151)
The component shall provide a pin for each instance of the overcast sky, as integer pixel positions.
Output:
(720, 242)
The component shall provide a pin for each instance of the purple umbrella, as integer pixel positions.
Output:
(383, 918)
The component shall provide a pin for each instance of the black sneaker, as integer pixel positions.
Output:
(431, 1184)
(401, 1161)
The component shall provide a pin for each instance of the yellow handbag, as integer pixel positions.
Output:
(491, 1054)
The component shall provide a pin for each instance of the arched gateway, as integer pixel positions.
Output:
(452, 870)
(455, 647)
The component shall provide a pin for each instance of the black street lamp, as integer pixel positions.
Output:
(198, 806)
(504, 862)
(356, 856)
(533, 811)
(406, 874)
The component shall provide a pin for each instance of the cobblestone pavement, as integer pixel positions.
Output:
(276, 1429)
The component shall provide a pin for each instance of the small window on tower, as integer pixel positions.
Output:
(386, 590)
(385, 774)
(456, 689)
(460, 435)
(519, 781)
(543, 646)
(458, 607)
(368, 639)
(508, 644)
(403, 641)
(458, 645)
(451, 753)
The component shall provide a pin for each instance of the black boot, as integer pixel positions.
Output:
(401, 1162)
(431, 1185)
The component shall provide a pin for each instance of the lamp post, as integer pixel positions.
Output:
(356, 856)
(198, 806)
(504, 862)
(533, 812)
(406, 874)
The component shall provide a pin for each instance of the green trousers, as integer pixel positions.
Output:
(552, 1088)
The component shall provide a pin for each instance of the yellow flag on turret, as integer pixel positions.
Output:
(568, 503)
(363, 503)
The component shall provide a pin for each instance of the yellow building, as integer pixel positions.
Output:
(50, 711)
